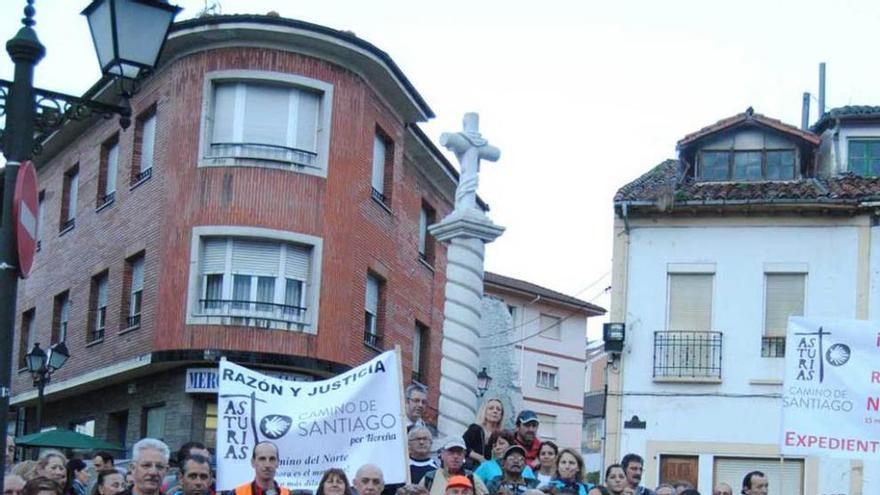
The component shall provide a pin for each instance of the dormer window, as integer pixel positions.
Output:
(746, 165)
(864, 157)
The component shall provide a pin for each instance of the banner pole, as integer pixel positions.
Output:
(402, 413)
(781, 474)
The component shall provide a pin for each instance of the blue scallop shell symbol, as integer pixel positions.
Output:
(837, 354)
(275, 426)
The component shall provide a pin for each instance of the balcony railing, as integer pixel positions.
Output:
(133, 321)
(773, 347)
(687, 354)
(254, 314)
(143, 175)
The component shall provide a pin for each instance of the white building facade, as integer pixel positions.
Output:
(548, 339)
(713, 251)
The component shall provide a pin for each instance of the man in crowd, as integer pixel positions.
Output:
(632, 467)
(420, 460)
(195, 476)
(10, 453)
(527, 436)
(416, 404)
(149, 463)
(171, 484)
(459, 485)
(369, 480)
(102, 460)
(681, 486)
(722, 489)
(264, 460)
(453, 464)
(664, 489)
(755, 483)
(12, 484)
(511, 481)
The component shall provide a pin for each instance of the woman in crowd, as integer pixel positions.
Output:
(615, 481)
(334, 482)
(498, 443)
(570, 473)
(26, 469)
(42, 486)
(489, 420)
(77, 477)
(51, 464)
(546, 472)
(109, 482)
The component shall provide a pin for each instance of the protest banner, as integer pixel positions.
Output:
(344, 422)
(831, 396)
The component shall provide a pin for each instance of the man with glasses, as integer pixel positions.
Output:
(420, 460)
(149, 464)
(264, 460)
(416, 404)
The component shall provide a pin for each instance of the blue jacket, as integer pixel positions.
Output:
(582, 488)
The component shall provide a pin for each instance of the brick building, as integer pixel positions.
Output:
(269, 204)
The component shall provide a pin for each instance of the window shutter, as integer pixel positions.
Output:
(307, 120)
(148, 139)
(112, 165)
(378, 163)
(732, 470)
(265, 115)
(690, 301)
(423, 230)
(137, 275)
(213, 255)
(551, 326)
(297, 262)
(224, 113)
(784, 297)
(255, 257)
(372, 301)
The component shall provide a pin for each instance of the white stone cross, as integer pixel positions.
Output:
(469, 147)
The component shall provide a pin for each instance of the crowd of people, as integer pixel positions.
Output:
(486, 460)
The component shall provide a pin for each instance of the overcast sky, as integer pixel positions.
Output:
(581, 96)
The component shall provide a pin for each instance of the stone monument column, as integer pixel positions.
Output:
(466, 231)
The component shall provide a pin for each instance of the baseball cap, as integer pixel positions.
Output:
(514, 448)
(459, 480)
(526, 416)
(453, 442)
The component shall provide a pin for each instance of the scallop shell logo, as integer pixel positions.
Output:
(275, 426)
(837, 354)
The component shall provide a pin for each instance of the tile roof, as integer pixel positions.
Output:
(664, 185)
(528, 287)
(849, 112)
(749, 116)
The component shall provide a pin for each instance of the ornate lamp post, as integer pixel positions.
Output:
(41, 366)
(483, 382)
(128, 37)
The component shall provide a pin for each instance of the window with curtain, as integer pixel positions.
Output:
(145, 135)
(690, 301)
(371, 310)
(60, 317)
(108, 170)
(99, 307)
(256, 281)
(135, 296)
(265, 123)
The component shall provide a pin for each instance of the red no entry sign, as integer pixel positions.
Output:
(24, 209)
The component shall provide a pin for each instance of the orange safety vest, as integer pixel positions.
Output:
(248, 489)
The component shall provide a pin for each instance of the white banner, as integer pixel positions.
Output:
(347, 421)
(831, 397)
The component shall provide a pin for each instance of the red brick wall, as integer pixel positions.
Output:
(157, 217)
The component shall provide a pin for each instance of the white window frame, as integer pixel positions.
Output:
(547, 377)
(380, 162)
(148, 142)
(372, 314)
(111, 170)
(101, 306)
(324, 121)
(63, 316)
(136, 294)
(311, 290)
(41, 213)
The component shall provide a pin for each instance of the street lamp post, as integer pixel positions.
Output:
(128, 37)
(41, 366)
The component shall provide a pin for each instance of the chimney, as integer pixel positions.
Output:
(821, 89)
(805, 112)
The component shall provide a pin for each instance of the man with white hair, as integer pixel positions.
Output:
(149, 463)
(369, 480)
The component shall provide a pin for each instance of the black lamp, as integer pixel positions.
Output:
(483, 382)
(129, 34)
(58, 355)
(36, 359)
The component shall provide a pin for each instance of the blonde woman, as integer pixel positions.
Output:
(476, 437)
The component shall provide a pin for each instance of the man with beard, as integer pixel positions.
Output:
(632, 468)
(264, 460)
(148, 466)
(195, 476)
(453, 464)
(527, 436)
(511, 481)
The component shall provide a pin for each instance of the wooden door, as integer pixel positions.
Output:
(679, 468)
